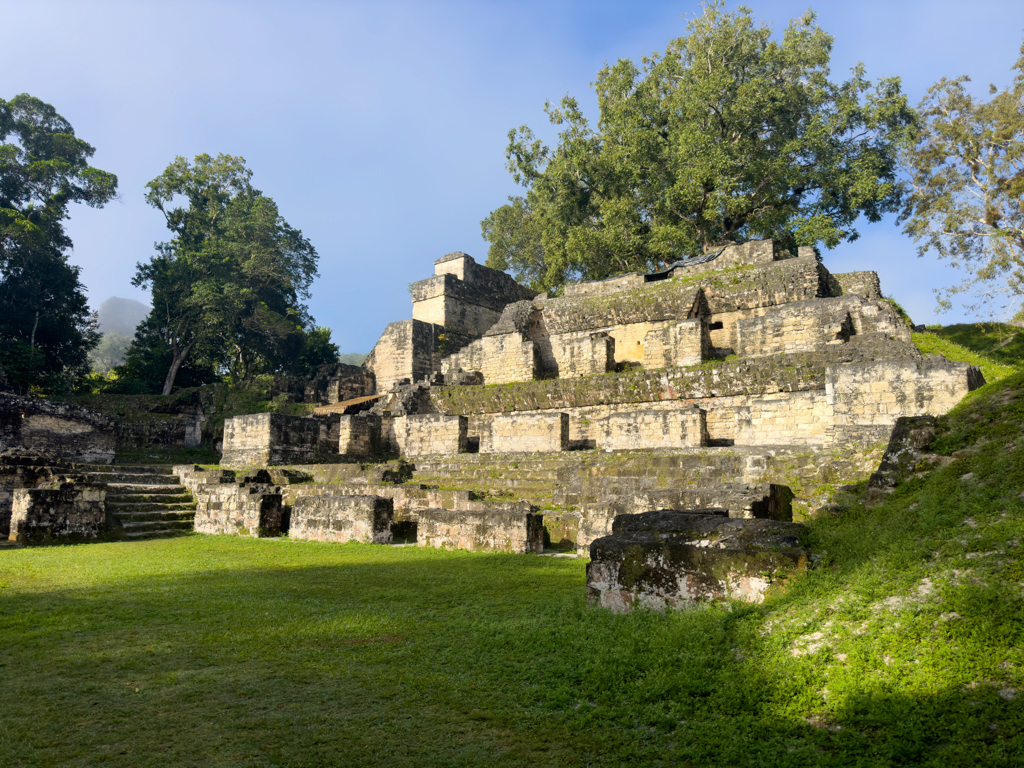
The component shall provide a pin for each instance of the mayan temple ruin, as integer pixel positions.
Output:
(674, 427)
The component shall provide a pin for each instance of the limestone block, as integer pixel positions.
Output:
(262, 439)
(583, 355)
(68, 510)
(359, 434)
(653, 429)
(488, 530)
(430, 434)
(675, 559)
(686, 342)
(340, 519)
(867, 398)
(527, 433)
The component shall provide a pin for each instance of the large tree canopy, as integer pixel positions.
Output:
(728, 135)
(228, 285)
(45, 327)
(967, 188)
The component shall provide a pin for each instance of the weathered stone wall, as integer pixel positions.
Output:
(585, 354)
(56, 430)
(803, 326)
(500, 359)
(224, 506)
(59, 511)
(753, 253)
(262, 439)
(683, 428)
(603, 287)
(682, 343)
(867, 399)
(411, 351)
(428, 433)
(340, 519)
(23, 472)
(864, 284)
(359, 434)
(488, 530)
(526, 433)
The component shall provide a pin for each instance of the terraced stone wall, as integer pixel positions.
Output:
(359, 434)
(224, 506)
(652, 430)
(427, 434)
(868, 398)
(500, 359)
(683, 343)
(340, 519)
(487, 530)
(58, 511)
(526, 433)
(38, 426)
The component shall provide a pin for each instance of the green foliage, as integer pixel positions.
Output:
(728, 135)
(46, 330)
(227, 287)
(317, 350)
(967, 181)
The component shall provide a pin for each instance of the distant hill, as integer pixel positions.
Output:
(121, 316)
(352, 358)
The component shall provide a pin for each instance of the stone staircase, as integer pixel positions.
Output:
(147, 500)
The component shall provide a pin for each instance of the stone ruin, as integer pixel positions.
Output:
(42, 494)
(669, 425)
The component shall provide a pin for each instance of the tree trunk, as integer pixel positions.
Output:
(176, 362)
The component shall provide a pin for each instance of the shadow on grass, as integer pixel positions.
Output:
(214, 651)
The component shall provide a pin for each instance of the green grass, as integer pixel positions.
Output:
(1002, 343)
(939, 344)
(904, 646)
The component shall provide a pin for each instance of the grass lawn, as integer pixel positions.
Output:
(904, 646)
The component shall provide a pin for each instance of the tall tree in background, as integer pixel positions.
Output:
(228, 285)
(46, 330)
(728, 135)
(967, 188)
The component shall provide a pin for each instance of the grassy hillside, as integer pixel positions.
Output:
(996, 348)
(903, 646)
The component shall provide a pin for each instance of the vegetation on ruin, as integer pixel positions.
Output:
(904, 645)
(729, 135)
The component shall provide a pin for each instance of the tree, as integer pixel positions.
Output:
(317, 350)
(46, 330)
(967, 187)
(728, 135)
(229, 283)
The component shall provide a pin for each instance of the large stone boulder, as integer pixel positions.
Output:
(668, 559)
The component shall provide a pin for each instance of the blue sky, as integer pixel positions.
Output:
(380, 128)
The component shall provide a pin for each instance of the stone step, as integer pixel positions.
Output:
(133, 469)
(165, 493)
(123, 508)
(156, 525)
(155, 515)
(125, 478)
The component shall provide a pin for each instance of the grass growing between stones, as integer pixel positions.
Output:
(905, 646)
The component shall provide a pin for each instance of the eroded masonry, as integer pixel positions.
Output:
(670, 426)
